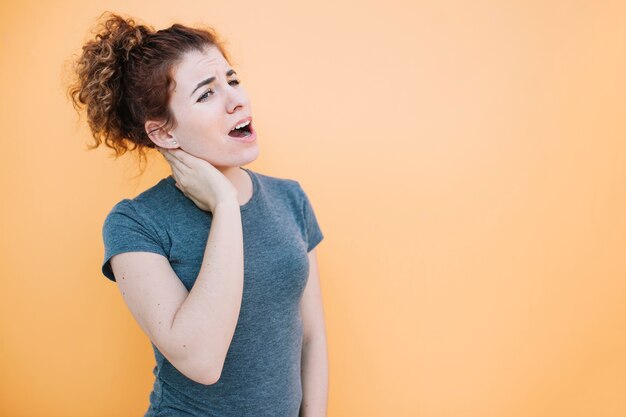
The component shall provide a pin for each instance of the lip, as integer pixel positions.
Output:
(249, 118)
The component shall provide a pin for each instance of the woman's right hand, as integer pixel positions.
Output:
(200, 181)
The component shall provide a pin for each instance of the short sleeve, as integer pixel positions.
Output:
(314, 234)
(124, 231)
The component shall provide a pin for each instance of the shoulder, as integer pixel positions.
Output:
(139, 219)
(133, 226)
(285, 187)
(277, 182)
(144, 209)
(280, 184)
(159, 195)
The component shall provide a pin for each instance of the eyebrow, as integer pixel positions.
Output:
(210, 80)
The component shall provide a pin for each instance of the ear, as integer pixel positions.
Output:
(160, 136)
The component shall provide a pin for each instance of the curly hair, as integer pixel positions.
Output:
(124, 78)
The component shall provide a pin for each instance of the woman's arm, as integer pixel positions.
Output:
(192, 329)
(314, 350)
(206, 320)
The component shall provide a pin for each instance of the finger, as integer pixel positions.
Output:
(177, 167)
(167, 154)
(185, 193)
(181, 156)
(196, 202)
(178, 174)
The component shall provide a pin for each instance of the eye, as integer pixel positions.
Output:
(204, 96)
(234, 82)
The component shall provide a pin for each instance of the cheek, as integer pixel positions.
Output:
(196, 124)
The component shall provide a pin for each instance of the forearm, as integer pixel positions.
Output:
(314, 378)
(205, 322)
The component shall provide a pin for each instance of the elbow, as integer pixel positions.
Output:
(209, 377)
(212, 370)
(202, 367)
(204, 379)
(204, 373)
(200, 375)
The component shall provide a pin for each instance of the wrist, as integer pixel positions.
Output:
(228, 204)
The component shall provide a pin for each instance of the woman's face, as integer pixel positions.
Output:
(207, 103)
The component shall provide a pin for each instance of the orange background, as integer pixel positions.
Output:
(467, 164)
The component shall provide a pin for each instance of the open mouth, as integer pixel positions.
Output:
(241, 131)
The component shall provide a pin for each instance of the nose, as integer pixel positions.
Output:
(235, 98)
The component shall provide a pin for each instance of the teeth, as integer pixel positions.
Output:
(239, 126)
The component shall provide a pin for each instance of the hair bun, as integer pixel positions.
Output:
(120, 36)
(100, 71)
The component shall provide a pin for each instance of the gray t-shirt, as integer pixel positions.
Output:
(261, 373)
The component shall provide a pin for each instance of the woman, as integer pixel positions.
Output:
(215, 262)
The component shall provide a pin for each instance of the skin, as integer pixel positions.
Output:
(205, 155)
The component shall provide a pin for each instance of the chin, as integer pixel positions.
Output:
(247, 156)
(254, 154)
(244, 157)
